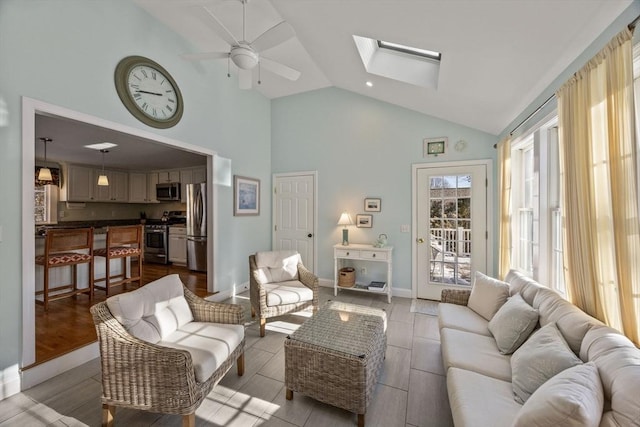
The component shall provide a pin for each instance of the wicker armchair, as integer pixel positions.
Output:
(154, 377)
(274, 292)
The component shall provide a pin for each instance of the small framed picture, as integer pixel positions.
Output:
(372, 205)
(246, 196)
(364, 221)
(434, 146)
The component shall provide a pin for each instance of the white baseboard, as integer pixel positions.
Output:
(40, 373)
(229, 293)
(9, 381)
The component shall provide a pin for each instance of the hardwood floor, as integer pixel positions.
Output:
(68, 325)
(411, 390)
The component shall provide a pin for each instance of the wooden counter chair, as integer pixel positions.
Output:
(64, 248)
(122, 242)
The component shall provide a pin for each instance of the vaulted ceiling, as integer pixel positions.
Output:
(497, 55)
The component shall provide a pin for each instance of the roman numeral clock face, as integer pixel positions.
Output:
(148, 92)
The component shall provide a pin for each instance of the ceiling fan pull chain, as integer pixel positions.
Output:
(259, 69)
(229, 66)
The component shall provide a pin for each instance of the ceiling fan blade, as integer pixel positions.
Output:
(279, 69)
(245, 78)
(275, 35)
(204, 55)
(218, 27)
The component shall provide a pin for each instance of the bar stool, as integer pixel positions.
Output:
(61, 250)
(122, 242)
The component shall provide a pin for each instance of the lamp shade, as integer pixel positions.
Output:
(45, 174)
(103, 180)
(345, 219)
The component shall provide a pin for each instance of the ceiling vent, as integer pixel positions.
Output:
(419, 67)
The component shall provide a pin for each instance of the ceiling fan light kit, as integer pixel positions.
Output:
(245, 54)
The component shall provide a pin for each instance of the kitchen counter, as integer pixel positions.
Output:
(100, 226)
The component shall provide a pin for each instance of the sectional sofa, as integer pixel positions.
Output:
(518, 354)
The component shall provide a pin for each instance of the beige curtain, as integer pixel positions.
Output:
(504, 206)
(598, 161)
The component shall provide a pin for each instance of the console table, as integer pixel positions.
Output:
(359, 252)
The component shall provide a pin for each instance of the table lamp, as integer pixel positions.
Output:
(345, 220)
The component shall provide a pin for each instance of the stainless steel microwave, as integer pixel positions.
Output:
(168, 192)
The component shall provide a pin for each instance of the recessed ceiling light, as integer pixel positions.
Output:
(101, 146)
(368, 83)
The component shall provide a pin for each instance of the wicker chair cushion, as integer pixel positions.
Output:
(209, 344)
(153, 312)
(290, 292)
(64, 258)
(277, 266)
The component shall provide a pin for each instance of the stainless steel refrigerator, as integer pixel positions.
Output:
(197, 226)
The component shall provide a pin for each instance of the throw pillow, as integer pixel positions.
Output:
(541, 357)
(487, 295)
(573, 398)
(513, 323)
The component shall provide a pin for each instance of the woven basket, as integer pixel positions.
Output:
(347, 277)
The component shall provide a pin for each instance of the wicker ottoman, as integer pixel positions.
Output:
(336, 356)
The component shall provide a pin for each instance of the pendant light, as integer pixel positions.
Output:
(45, 173)
(102, 179)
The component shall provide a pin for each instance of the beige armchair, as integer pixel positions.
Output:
(163, 349)
(280, 284)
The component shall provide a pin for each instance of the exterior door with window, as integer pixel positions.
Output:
(294, 215)
(450, 223)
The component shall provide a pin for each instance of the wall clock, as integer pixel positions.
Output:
(149, 92)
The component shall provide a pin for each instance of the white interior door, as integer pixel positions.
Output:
(451, 230)
(294, 214)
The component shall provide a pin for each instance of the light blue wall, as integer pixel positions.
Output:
(64, 52)
(362, 148)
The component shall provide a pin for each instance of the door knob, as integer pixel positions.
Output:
(309, 235)
(420, 240)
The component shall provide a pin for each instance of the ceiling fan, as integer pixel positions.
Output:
(246, 55)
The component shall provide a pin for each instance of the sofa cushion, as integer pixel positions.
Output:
(542, 356)
(209, 344)
(618, 362)
(153, 311)
(487, 295)
(474, 352)
(477, 400)
(513, 323)
(277, 266)
(290, 292)
(573, 398)
(461, 317)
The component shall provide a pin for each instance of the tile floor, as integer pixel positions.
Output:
(411, 390)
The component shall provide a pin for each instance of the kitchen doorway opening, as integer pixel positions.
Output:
(31, 109)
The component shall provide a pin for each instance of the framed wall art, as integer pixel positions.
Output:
(246, 196)
(372, 205)
(364, 221)
(434, 146)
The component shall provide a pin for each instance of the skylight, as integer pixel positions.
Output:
(101, 146)
(416, 66)
(410, 50)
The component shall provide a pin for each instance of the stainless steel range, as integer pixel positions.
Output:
(156, 237)
(156, 243)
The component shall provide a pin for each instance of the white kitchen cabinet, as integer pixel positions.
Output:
(138, 187)
(152, 180)
(169, 176)
(178, 245)
(116, 191)
(199, 175)
(186, 177)
(79, 184)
